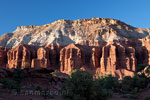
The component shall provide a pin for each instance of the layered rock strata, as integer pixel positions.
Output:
(98, 45)
(21, 56)
(116, 58)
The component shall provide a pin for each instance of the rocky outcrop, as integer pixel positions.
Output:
(4, 39)
(98, 45)
(113, 58)
(70, 58)
(3, 57)
(96, 55)
(21, 56)
(47, 57)
(42, 60)
(146, 52)
(65, 32)
(116, 57)
(54, 54)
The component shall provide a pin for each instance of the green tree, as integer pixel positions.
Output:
(82, 86)
(79, 85)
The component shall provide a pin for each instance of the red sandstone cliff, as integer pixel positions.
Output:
(112, 58)
(47, 57)
(21, 56)
(98, 45)
(118, 58)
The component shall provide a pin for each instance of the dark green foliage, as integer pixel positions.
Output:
(9, 84)
(82, 86)
(127, 84)
(105, 85)
(101, 93)
(140, 67)
(134, 84)
(141, 81)
(18, 75)
(108, 82)
(79, 85)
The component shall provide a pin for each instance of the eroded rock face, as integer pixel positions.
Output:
(47, 57)
(70, 58)
(54, 55)
(113, 58)
(98, 45)
(65, 32)
(119, 58)
(3, 57)
(146, 52)
(21, 56)
(42, 58)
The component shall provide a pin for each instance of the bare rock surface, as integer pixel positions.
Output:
(65, 32)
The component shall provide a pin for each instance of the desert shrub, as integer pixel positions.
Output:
(55, 73)
(127, 84)
(109, 82)
(140, 81)
(27, 64)
(82, 86)
(105, 85)
(18, 75)
(134, 84)
(9, 84)
(140, 67)
(79, 85)
(100, 92)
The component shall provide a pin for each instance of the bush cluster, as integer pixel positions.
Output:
(82, 86)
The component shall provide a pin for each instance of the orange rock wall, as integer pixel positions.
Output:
(118, 58)
(20, 56)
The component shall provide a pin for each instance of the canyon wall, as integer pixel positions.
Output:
(117, 58)
(98, 45)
